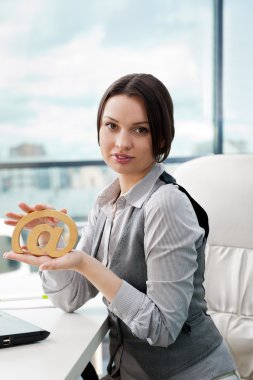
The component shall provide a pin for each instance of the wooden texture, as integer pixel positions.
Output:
(54, 233)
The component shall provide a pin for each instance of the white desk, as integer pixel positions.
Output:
(73, 340)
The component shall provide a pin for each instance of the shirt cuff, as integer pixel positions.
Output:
(127, 302)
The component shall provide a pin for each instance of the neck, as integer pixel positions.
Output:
(128, 181)
(126, 184)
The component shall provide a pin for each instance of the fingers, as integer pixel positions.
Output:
(37, 207)
(41, 206)
(28, 209)
(13, 215)
(26, 258)
(64, 211)
(10, 222)
(25, 207)
(14, 218)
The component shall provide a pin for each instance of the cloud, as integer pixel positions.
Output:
(86, 66)
(62, 84)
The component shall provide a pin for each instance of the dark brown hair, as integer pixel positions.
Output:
(158, 104)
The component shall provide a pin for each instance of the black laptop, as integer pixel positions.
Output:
(14, 331)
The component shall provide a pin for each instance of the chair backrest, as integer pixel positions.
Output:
(7, 266)
(223, 185)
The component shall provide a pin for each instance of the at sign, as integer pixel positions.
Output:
(55, 233)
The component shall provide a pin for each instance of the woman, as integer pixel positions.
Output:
(142, 248)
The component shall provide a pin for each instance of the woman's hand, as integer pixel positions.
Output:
(101, 277)
(27, 258)
(14, 218)
(72, 260)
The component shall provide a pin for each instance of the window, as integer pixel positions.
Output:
(238, 80)
(58, 59)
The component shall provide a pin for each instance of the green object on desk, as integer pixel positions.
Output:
(43, 296)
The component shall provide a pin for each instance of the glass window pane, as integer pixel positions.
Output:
(73, 188)
(57, 59)
(238, 79)
(6, 265)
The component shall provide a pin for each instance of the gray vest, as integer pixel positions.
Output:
(198, 336)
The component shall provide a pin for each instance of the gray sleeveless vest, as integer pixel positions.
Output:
(198, 336)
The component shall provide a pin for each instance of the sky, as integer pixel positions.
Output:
(57, 57)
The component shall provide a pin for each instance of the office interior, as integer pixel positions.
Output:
(57, 59)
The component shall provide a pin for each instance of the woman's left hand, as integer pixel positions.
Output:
(107, 282)
(71, 260)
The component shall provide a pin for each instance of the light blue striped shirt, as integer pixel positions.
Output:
(172, 236)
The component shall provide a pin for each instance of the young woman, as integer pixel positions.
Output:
(142, 248)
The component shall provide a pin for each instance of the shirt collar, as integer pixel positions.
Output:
(137, 195)
(109, 194)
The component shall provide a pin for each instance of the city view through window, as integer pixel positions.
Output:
(57, 60)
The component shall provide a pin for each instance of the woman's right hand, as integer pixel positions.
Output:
(13, 218)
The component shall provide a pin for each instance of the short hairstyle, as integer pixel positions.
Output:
(158, 104)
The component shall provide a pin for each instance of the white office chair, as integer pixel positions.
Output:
(223, 185)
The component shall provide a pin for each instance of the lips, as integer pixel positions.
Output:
(122, 158)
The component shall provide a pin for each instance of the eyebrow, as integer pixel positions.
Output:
(116, 121)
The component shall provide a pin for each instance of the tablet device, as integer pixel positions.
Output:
(15, 331)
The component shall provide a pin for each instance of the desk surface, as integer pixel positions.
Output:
(73, 340)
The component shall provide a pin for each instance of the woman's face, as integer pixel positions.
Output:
(125, 138)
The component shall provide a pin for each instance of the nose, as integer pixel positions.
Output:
(123, 140)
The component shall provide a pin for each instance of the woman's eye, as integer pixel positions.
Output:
(111, 126)
(141, 130)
